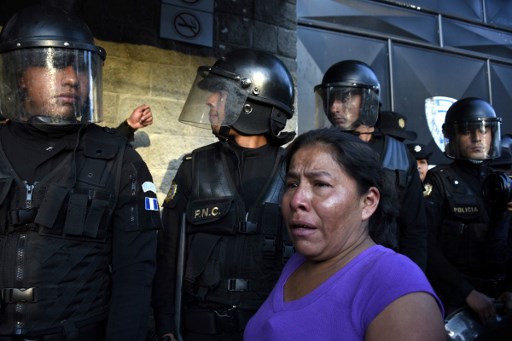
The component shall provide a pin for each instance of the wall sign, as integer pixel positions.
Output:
(187, 25)
(190, 21)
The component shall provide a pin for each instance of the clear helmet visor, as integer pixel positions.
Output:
(474, 140)
(55, 86)
(216, 99)
(322, 118)
(345, 107)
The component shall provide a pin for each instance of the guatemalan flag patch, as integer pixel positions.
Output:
(151, 204)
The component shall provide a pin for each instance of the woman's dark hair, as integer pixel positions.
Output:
(361, 163)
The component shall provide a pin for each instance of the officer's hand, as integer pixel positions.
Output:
(509, 206)
(506, 298)
(140, 117)
(167, 337)
(482, 305)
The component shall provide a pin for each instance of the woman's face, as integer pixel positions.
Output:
(54, 92)
(324, 212)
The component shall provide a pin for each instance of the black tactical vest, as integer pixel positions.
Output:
(236, 254)
(55, 238)
(465, 226)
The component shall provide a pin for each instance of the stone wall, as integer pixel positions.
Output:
(137, 74)
(160, 73)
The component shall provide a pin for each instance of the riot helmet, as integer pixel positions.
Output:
(472, 130)
(349, 96)
(247, 90)
(50, 69)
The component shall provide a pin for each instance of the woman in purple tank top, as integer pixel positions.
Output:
(345, 282)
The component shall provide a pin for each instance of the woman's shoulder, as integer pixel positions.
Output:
(389, 275)
(389, 266)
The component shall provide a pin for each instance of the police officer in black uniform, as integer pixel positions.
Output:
(470, 242)
(349, 96)
(78, 208)
(229, 192)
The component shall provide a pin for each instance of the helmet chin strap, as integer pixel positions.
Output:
(282, 138)
(48, 120)
(47, 124)
(223, 133)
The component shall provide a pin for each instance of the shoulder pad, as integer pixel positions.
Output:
(204, 149)
(207, 147)
(98, 145)
(109, 130)
(187, 157)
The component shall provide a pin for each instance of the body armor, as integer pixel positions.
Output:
(55, 239)
(232, 247)
(465, 227)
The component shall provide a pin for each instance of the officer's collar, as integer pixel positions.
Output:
(30, 132)
(472, 164)
(235, 147)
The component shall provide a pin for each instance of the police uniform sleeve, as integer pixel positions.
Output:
(413, 228)
(125, 130)
(164, 285)
(134, 224)
(444, 277)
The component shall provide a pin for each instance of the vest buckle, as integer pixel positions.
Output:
(238, 284)
(269, 247)
(17, 295)
(248, 227)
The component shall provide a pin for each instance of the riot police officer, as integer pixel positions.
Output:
(78, 208)
(469, 259)
(349, 97)
(229, 194)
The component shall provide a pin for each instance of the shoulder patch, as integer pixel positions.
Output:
(172, 192)
(427, 190)
(148, 186)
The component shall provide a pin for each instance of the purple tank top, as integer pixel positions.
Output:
(344, 305)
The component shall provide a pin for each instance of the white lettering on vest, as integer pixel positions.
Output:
(206, 212)
(470, 209)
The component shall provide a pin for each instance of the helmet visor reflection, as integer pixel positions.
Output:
(482, 127)
(341, 105)
(474, 140)
(51, 86)
(214, 100)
